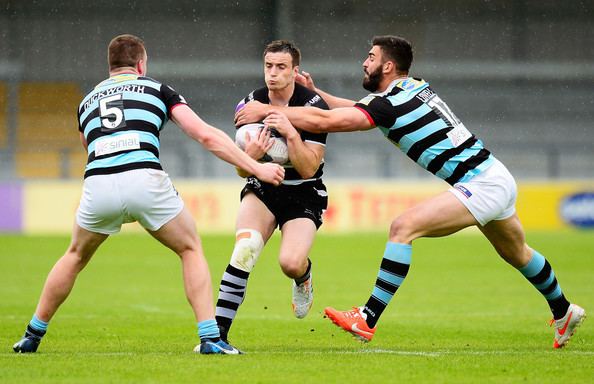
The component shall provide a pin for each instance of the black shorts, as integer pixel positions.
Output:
(288, 202)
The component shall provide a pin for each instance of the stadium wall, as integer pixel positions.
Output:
(48, 207)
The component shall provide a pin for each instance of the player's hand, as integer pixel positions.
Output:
(252, 112)
(258, 146)
(279, 121)
(304, 78)
(270, 173)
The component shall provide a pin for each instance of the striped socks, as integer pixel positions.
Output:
(231, 294)
(539, 272)
(393, 270)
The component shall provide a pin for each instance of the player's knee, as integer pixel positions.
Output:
(293, 267)
(248, 245)
(402, 230)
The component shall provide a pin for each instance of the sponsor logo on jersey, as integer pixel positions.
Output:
(125, 142)
(408, 84)
(314, 100)
(578, 209)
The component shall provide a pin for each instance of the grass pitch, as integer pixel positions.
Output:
(462, 315)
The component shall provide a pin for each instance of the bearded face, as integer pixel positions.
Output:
(371, 80)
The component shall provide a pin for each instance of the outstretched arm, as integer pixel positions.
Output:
(305, 79)
(217, 142)
(343, 116)
(346, 119)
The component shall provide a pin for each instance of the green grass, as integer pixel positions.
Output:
(462, 315)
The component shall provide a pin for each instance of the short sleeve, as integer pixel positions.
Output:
(171, 98)
(379, 110)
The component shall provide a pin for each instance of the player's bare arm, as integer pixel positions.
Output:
(305, 157)
(346, 119)
(217, 142)
(305, 79)
(83, 140)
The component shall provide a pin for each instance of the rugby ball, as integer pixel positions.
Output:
(279, 153)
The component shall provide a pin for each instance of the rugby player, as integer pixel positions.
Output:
(120, 122)
(483, 192)
(295, 207)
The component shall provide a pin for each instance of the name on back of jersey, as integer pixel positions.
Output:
(112, 91)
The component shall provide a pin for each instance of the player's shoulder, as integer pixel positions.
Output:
(305, 97)
(258, 94)
(398, 92)
(149, 79)
(404, 89)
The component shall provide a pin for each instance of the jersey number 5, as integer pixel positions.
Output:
(111, 110)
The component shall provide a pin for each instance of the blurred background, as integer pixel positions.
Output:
(519, 74)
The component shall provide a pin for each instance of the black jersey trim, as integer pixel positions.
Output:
(396, 90)
(396, 134)
(470, 164)
(143, 147)
(131, 125)
(438, 162)
(123, 168)
(417, 149)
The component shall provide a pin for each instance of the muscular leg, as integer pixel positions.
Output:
(61, 278)
(438, 216)
(297, 239)
(58, 285)
(508, 239)
(255, 224)
(181, 237)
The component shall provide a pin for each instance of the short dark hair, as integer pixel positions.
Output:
(125, 51)
(396, 49)
(284, 46)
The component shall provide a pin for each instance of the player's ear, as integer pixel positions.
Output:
(388, 66)
(141, 65)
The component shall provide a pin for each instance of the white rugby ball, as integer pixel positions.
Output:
(279, 153)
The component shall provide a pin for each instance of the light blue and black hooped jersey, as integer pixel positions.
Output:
(417, 121)
(121, 119)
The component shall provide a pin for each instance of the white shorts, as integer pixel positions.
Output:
(491, 195)
(143, 195)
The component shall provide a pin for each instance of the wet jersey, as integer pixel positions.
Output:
(416, 120)
(302, 96)
(121, 119)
